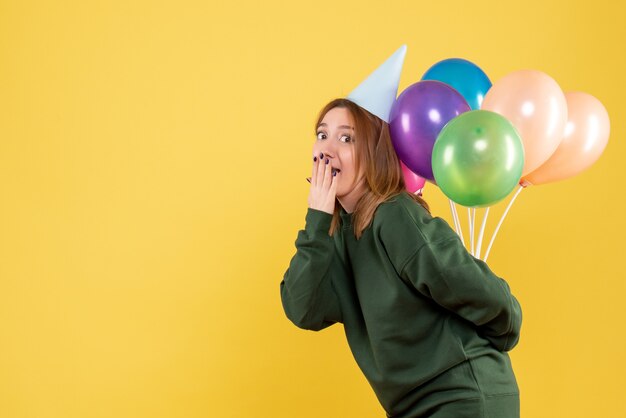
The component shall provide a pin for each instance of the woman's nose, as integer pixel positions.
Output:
(323, 154)
(328, 148)
(323, 151)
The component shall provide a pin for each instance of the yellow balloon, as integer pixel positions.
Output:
(585, 138)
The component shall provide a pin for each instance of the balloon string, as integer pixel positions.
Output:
(456, 226)
(471, 213)
(501, 220)
(482, 232)
(474, 226)
(460, 227)
(457, 222)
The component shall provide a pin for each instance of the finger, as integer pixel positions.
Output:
(327, 174)
(320, 169)
(314, 170)
(332, 192)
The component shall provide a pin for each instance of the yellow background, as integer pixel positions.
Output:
(153, 158)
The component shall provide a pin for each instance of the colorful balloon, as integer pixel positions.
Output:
(478, 158)
(464, 76)
(417, 116)
(412, 181)
(534, 103)
(585, 137)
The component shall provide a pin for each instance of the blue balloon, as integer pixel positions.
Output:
(463, 76)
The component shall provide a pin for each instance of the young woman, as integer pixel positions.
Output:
(428, 324)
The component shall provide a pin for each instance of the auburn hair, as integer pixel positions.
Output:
(383, 173)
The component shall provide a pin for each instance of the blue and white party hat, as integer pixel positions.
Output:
(377, 92)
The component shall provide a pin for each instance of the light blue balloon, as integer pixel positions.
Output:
(463, 76)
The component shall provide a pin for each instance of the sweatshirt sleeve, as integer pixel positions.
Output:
(308, 297)
(429, 256)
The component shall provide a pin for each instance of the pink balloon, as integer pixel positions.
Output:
(535, 104)
(412, 181)
(585, 137)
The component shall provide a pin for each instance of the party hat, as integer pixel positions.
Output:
(377, 92)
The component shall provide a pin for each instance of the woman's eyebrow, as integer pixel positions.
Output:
(340, 127)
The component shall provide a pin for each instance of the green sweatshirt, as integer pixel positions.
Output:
(414, 302)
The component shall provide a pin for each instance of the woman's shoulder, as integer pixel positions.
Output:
(402, 216)
(401, 207)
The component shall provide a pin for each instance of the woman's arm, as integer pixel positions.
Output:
(306, 291)
(429, 256)
(446, 272)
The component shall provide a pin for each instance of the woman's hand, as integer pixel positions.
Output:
(323, 186)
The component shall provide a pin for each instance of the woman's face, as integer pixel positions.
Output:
(335, 139)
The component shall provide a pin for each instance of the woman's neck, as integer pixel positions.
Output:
(350, 199)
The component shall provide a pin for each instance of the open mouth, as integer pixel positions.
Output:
(335, 170)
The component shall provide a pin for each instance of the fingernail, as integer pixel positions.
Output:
(334, 174)
(321, 155)
(314, 158)
(326, 160)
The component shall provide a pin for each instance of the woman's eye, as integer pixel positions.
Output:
(345, 136)
(320, 135)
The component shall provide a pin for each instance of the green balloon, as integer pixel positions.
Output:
(478, 158)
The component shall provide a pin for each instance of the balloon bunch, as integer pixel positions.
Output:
(477, 141)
